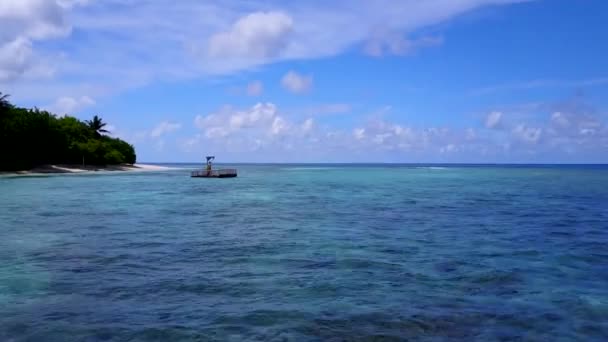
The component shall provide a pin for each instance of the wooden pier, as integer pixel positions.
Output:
(221, 173)
(209, 172)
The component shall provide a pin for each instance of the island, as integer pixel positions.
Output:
(33, 140)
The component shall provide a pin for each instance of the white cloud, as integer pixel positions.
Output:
(308, 125)
(574, 130)
(559, 119)
(228, 120)
(32, 19)
(567, 130)
(259, 36)
(260, 127)
(539, 84)
(163, 128)
(14, 58)
(255, 88)
(264, 127)
(493, 120)
(279, 126)
(192, 38)
(296, 83)
(72, 3)
(277, 134)
(396, 44)
(110, 128)
(359, 133)
(527, 134)
(24, 22)
(70, 105)
(470, 134)
(449, 148)
(333, 108)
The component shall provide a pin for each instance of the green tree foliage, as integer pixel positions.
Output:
(97, 125)
(30, 137)
(4, 101)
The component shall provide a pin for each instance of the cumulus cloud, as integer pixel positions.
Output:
(263, 120)
(255, 88)
(386, 135)
(259, 35)
(70, 105)
(241, 37)
(527, 134)
(308, 125)
(560, 120)
(32, 19)
(163, 128)
(296, 83)
(359, 133)
(24, 22)
(279, 126)
(263, 126)
(234, 36)
(493, 120)
(538, 135)
(449, 148)
(14, 58)
(576, 128)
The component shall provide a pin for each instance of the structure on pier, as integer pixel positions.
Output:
(209, 172)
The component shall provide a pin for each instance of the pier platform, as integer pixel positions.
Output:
(221, 173)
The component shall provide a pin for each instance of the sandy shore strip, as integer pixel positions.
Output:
(68, 169)
(150, 167)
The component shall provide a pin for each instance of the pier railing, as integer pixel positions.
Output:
(213, 173)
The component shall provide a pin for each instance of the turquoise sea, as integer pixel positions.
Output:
(307, 253)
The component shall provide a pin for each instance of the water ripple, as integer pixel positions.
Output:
(300, 254)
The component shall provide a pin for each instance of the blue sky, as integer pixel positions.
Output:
(314, 81)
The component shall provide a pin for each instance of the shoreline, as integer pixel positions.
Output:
(79, 169)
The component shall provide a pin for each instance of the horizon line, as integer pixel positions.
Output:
(379, 163)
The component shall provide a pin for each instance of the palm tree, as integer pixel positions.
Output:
(97, 125)
(4, 100)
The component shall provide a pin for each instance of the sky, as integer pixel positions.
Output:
(401, 81)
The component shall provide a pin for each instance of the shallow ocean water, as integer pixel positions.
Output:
(307, 253)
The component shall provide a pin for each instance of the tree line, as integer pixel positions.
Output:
(33, 137)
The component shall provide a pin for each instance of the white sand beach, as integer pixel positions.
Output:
(77, 169)
(151, 167)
